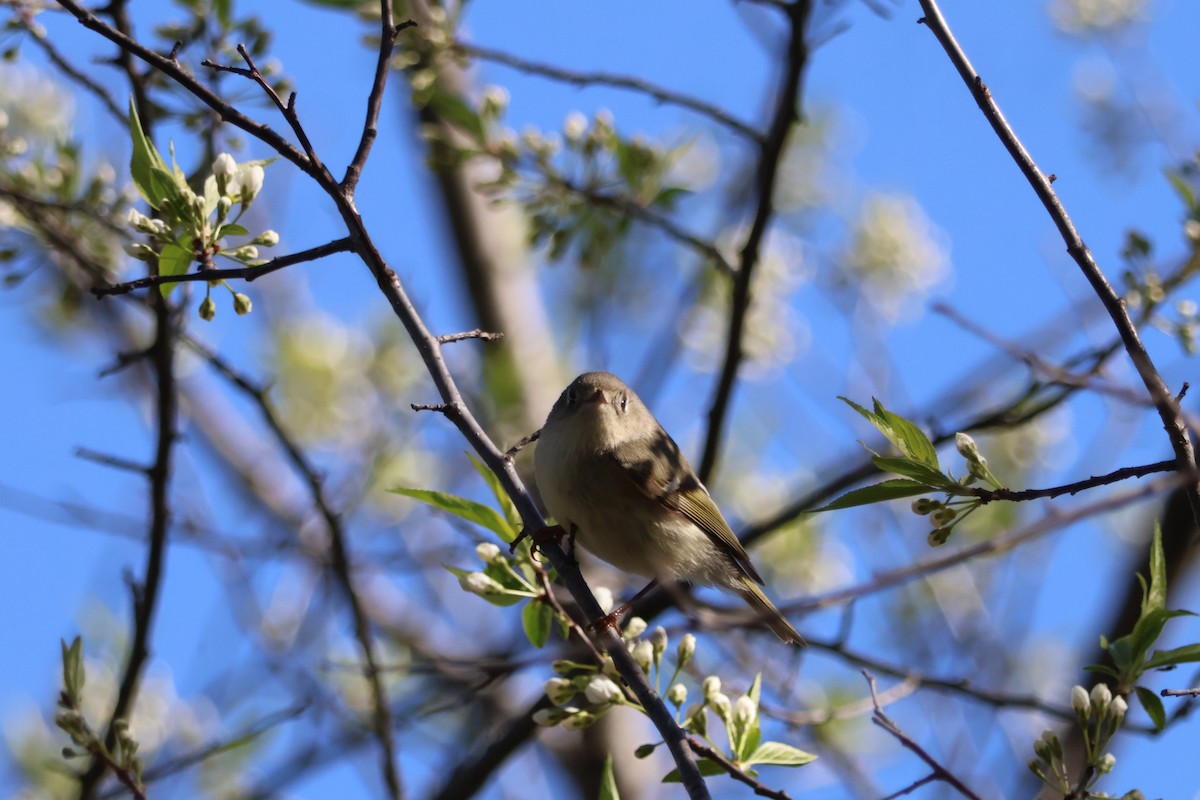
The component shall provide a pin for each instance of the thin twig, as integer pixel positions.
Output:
(1180, 692)
(1168, 409)
(713, 112)
(387, 40)
(116, 462)
(248, 274)
(704, 750)
(786, 114)
(475, 334)
(1125, 473)
(940, 773)
(511, 452)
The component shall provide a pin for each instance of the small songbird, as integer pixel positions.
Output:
(611, 476)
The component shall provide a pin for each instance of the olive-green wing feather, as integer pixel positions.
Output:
(662, 473)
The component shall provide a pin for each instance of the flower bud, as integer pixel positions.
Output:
(685, 650)
(634, 628)
(548, 717)
(224, 204)
(241, 304)
(1106, 763)
(938, 536)
(246, 252)
(266, 239)
(208, 309)
(601, 691)
(1080, 701)
(943, 516)
(677, 694)
(478, 583)
(643, 654)
(487, 552)
(495, 100)
(658, 640)
(712, 685)
(575, 126)
(925, 505)
(966, 447)
(1118, 708)
(1101, 697)
(744, 711)
(560, 691)
(579, 720)
(719, 703)
(140, 251)
(251, 180)
(224, 167)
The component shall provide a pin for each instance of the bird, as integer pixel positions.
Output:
(618, 484)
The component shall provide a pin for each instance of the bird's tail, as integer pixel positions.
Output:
(768, 613)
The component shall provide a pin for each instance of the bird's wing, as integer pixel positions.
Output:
(667, 478)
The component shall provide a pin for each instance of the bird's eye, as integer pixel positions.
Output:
(624, 402)
(571, 396)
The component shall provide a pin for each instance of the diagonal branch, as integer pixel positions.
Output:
(786, 113)
(939, 772)
(1166, 404)
(706, 109)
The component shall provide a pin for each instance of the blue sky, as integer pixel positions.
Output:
(904, 123)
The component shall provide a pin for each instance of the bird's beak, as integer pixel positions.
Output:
(598, 397)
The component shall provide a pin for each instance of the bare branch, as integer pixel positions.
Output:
(786, 113)
(940, 773)
(1168, 408)
(713, 112)
(704, 750)
(1125, 473)
(474, 334)
(247, 274)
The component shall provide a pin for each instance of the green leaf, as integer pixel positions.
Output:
(707, 767)
(144, 158)
(1181, 187)
(779, 754)
(1153, 705)
(232, 229)
(537, 618)
(1180, 655)
(454, 110)
(905, 435)
(1156, 596)
(173, 260)
(502, 498)
(891, 489)
(73, 675)
(462, 507)
(608, 781)
(918, 470)
(911, 440)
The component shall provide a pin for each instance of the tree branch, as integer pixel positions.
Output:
(713, 112)
(939, 773)
(248, 274)
(786, 113)
(1168, 408)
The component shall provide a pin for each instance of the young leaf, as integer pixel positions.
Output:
(493, 482)
(1156, 595)
(912, 468)
(144, 158)
(608, 781)
(779, 754)
(537, 617)
(905, 435)
(1180, 655)
(911, 440)
(451, 107)
(891, 489)
(464, 508)
(72, 659)
(1153, 705)
(173, 260)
